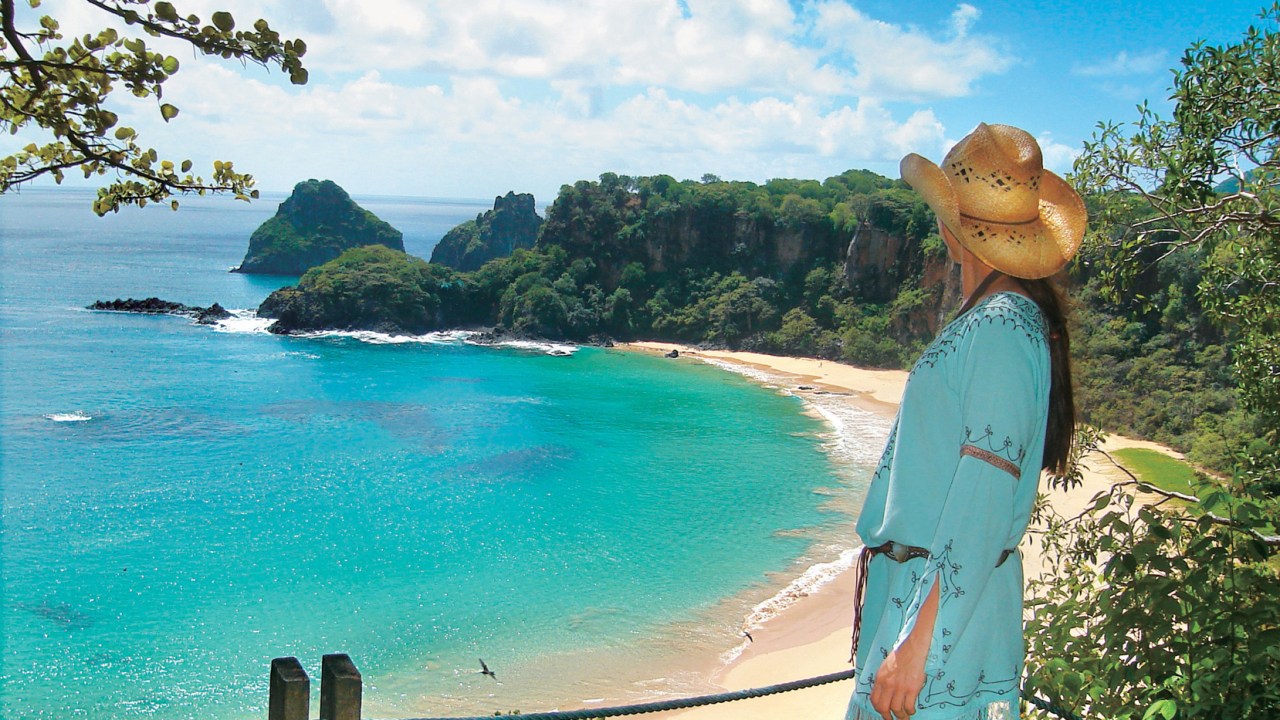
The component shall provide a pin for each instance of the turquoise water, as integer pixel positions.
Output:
(181, 504)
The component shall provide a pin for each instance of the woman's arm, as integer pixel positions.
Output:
(901, 676)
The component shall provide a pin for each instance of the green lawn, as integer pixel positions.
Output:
(1157, 469)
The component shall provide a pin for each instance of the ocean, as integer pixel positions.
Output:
(183, 503)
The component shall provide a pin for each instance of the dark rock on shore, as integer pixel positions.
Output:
(316, 224)
(156, 306)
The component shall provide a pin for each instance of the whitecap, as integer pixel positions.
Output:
(549, 348)
(70, 417)
(449, 337)
(243, 322)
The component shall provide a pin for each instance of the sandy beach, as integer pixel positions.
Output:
(811, 637)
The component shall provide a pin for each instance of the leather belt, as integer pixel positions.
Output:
(898, 552)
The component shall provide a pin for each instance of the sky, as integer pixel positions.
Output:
(475, 98)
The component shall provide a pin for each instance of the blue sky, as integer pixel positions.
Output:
(472, 98)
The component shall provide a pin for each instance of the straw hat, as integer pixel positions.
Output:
(995, 196)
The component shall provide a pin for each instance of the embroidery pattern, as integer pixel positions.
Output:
(1009, 310)
(1003, 455)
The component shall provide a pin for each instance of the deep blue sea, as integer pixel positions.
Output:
(183, 503)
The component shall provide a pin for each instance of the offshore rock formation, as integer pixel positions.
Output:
(313, 226)
(156, 306)
(511, 224)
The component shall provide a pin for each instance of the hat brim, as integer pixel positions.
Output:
(1027, 251)
(933, 186)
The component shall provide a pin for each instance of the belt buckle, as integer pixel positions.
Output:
(900, 552)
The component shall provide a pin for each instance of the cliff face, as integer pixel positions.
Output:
(705, 232)
(877, 266)
(313, 226)
(513, 223)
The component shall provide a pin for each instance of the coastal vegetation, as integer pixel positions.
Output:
(64, 88)
(1160, 609)
(511, 225)
(370, 288)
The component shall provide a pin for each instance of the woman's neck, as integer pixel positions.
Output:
(973, 271)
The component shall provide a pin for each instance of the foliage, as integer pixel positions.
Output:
(63, 88)
(1226, 124)
(1159, 609)
(371, 288)
(1151, 363)
(314, 225)
(1158, 606)
(512, 223)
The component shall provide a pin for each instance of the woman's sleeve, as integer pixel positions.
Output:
(999, 380)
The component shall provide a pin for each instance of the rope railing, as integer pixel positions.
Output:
(674, 703)
(340, 695)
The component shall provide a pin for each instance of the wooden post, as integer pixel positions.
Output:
(290, 697)
(339, 688)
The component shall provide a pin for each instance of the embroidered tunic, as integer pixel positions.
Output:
(958, 477)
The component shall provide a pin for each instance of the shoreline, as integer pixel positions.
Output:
(811, 636)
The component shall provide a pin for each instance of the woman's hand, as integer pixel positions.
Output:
(901, 676)
(899, 681)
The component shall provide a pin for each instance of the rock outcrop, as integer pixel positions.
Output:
(156, 306)
(316, 224)
(512, 223)
(370, 288)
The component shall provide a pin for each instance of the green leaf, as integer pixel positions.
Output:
(223, 21)
(186, 166)
(170, 65)
(166, 11)
(1164, 708)
(168, 112)
(298, 76)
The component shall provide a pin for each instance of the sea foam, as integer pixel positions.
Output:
(809, 582)
(248, 322)
(70, 417)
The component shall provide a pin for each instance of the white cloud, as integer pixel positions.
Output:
(1125, 63)
(1057, 157)
(895, 62)
(963, 18)
(436, 98)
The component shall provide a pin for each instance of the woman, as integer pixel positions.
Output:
(986, 408)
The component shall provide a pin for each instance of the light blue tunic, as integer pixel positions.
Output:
(959, 476)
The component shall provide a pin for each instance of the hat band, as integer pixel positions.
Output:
(999, 222)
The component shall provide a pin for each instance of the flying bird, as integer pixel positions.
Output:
(747, 635)
(484, 670)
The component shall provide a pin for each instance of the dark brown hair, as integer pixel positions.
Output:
(1060, 430)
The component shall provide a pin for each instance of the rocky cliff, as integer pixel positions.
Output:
(512, 223)
(313, 226)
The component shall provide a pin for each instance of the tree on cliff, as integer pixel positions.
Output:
(1169, 608)
(63, 88)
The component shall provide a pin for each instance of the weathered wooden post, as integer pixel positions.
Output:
(290, 693)
(339, 688)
